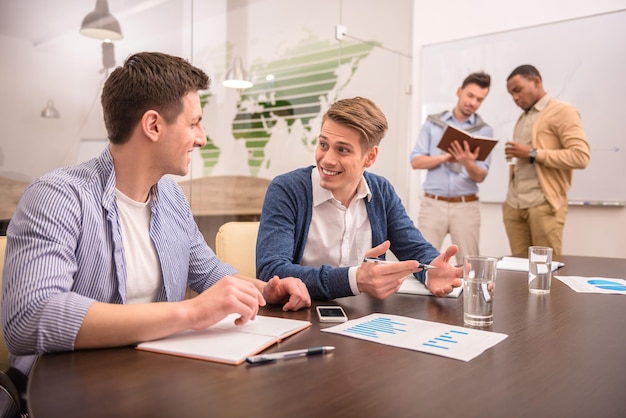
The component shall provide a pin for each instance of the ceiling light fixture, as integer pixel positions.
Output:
(237, 76)
(101, 24)
(50, 112)
(108, 55)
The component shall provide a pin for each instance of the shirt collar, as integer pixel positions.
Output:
(542, 103)
(450, 116)
(108, 173)
(321, 195)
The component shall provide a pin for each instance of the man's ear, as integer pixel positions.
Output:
(151, 124)
(371, 156)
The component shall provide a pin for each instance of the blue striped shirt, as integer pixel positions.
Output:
(64, 252)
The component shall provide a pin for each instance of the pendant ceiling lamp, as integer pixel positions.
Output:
(237, 77)
(101, 24)
(50, 112)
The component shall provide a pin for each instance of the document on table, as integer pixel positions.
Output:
(521, 264)
(594, 284)
(459, 343)
(414, 287)
(226, 342)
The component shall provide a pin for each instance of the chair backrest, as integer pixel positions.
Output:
(10, 402)
(4, 352)
(235, 244)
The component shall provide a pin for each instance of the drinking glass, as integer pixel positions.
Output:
(539, 269)
(479, 274)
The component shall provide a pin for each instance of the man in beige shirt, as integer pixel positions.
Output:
(549, 144)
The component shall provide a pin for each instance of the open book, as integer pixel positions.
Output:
(413, 286)
(226, 342)
(451, 134)
(521, 264)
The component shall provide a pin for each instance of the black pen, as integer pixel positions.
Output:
(381, 261)
(264, 358)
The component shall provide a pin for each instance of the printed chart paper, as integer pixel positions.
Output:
(594, 284)
(459, 343)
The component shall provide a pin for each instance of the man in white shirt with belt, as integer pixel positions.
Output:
(450, 202)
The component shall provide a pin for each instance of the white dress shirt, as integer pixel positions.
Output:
(338, 236)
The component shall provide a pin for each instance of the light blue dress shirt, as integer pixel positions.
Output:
(443, 180)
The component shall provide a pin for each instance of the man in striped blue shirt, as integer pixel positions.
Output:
(100, 254)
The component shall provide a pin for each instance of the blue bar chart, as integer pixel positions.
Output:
(446, 340)
(376, 326)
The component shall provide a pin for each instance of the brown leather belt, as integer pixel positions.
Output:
(467, 198)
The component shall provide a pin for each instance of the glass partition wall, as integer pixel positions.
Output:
(299, 55)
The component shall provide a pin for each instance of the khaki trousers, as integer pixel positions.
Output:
(538, 225)
(461, 220)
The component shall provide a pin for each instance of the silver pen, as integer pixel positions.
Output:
(264, 358)
(381, 261)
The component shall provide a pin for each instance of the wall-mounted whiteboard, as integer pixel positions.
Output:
(582, 61)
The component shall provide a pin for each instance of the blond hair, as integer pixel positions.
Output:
(362, 115)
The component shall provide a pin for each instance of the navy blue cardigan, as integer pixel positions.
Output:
(285, 221)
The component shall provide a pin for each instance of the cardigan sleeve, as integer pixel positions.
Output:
(285, 220)
(389, 220)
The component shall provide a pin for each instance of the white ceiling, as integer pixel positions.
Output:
(40, 21)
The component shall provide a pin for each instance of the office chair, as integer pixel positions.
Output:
(10, 400)
(235, 244)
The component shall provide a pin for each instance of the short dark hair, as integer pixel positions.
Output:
(480, 78)
(527, 71)
(147, 81)
(362, 115)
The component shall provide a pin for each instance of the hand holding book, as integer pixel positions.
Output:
(452, 134)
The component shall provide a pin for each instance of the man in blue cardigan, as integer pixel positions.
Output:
(319, 223)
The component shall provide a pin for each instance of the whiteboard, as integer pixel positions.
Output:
(581, 61)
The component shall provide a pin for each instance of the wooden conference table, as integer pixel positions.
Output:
(565, 356)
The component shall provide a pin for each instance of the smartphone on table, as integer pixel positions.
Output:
(331, 314)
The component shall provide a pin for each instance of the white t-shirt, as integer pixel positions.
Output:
(143, 270)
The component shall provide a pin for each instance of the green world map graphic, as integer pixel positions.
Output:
(295, 91)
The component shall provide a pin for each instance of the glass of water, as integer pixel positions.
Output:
(511, 160)
(479, 274)
(539, 270)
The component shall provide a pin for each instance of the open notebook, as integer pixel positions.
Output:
(414, 287)
(521, 264)
(226, 342)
